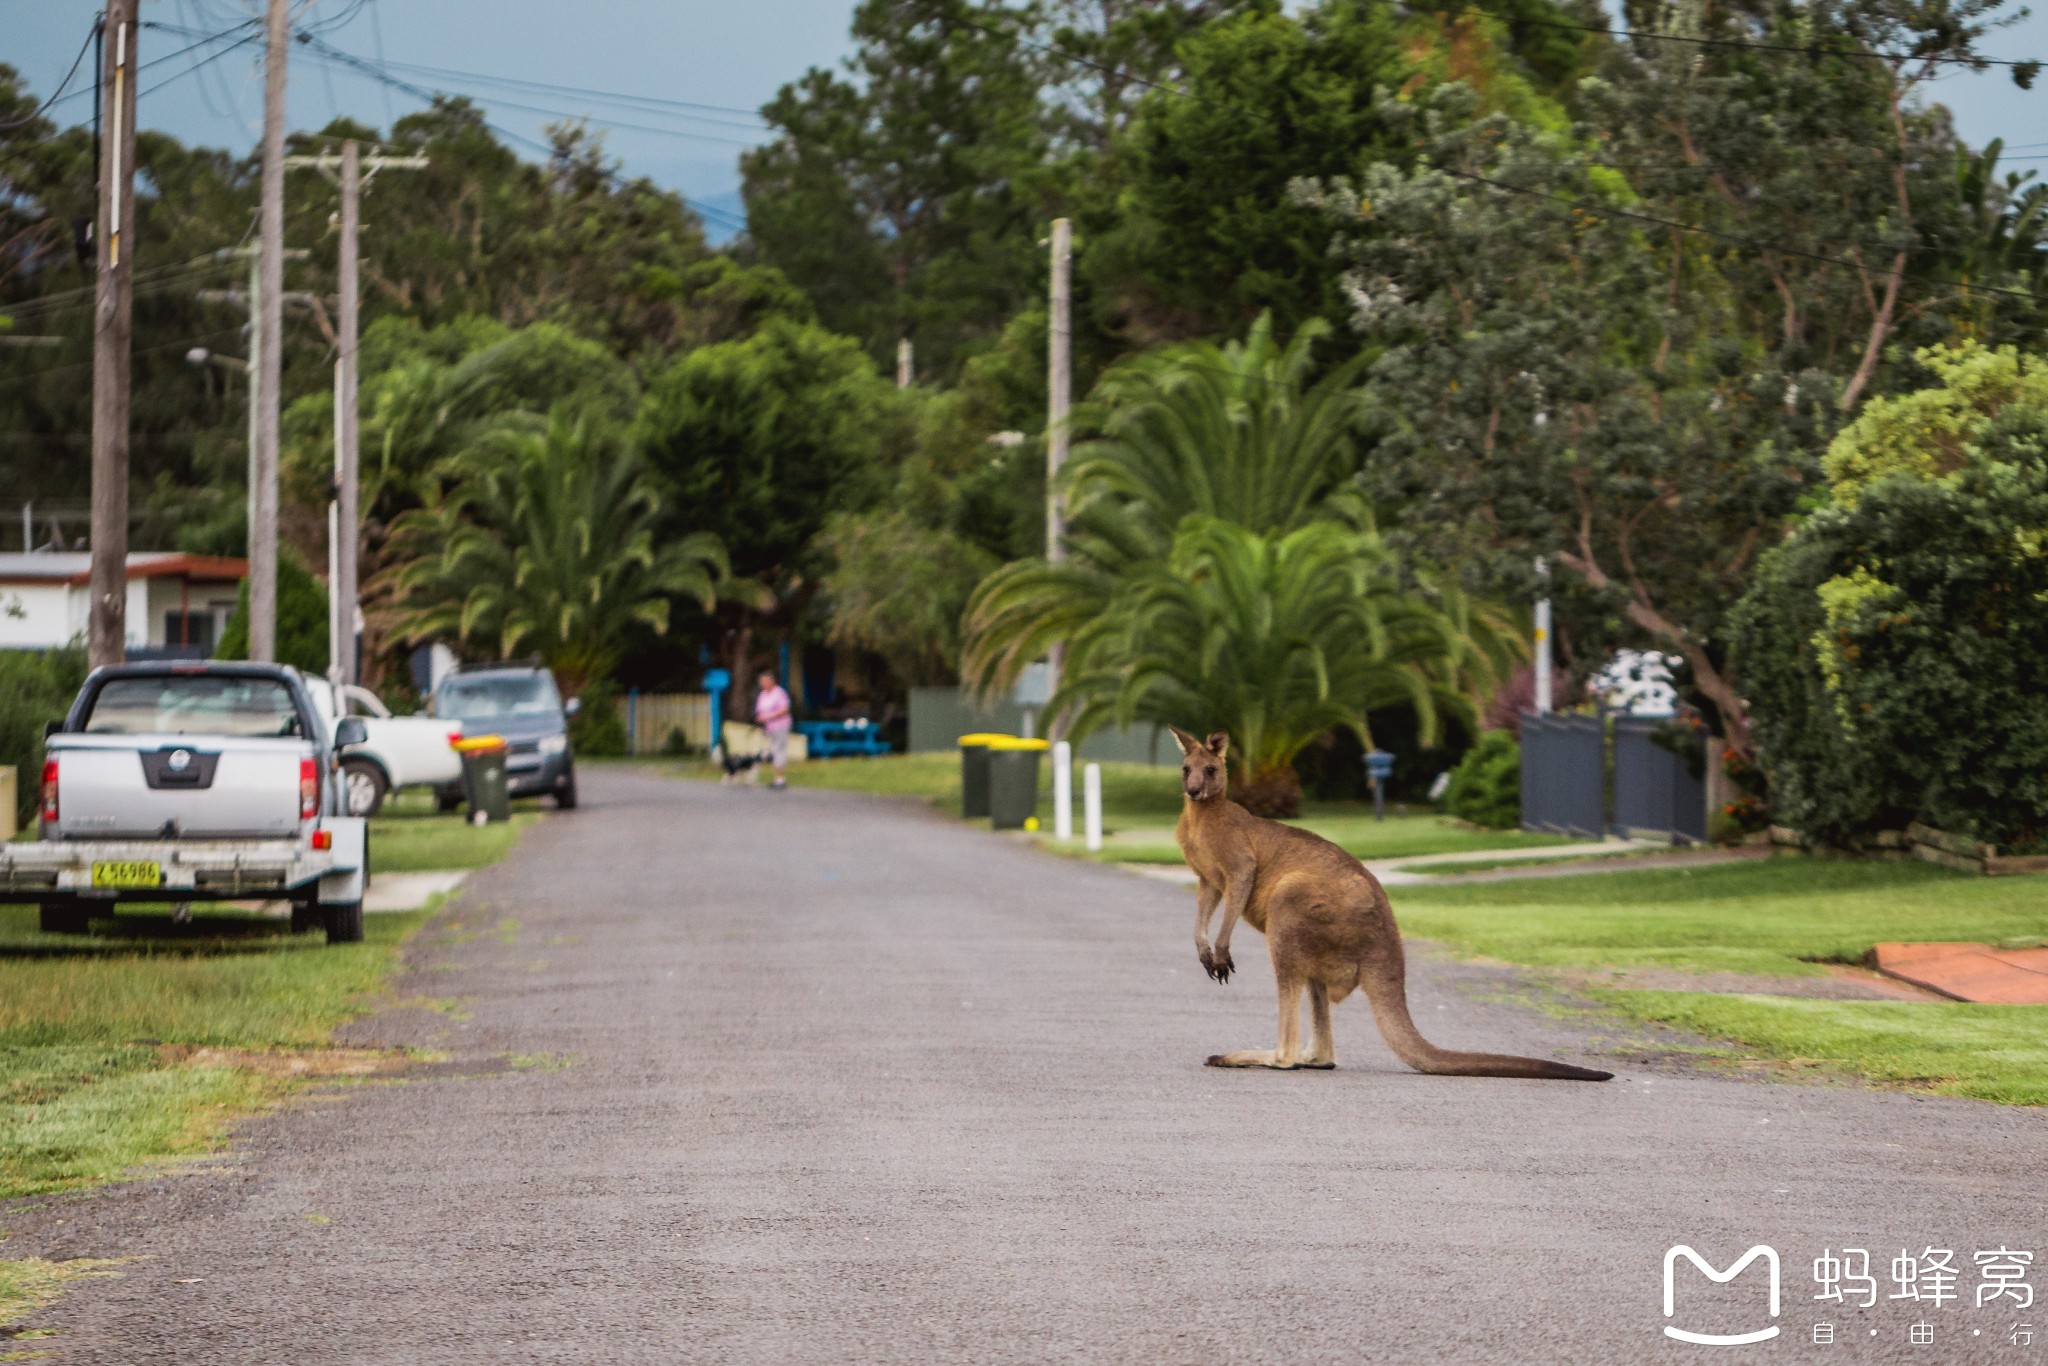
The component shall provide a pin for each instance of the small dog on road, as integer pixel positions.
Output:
(739, 767)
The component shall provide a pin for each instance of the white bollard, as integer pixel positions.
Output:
(1062, 790)
(1091, 804)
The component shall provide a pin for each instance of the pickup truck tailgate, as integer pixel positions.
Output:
(134, 786)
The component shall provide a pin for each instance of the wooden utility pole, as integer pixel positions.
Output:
(113, 307)
(344, 518)
(341, 587)
(267, 368)
(1059, 379)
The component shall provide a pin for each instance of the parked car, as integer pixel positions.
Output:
(521, 703)
(186, 782)
(401, 751)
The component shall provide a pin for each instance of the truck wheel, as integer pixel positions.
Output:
(444, 802)
(365, 784)
(344, 923)
(565, 795)
(62, 919)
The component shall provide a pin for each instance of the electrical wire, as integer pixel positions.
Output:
(58, 94)
(430, 96)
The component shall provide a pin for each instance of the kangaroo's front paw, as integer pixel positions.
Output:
(1217, 961)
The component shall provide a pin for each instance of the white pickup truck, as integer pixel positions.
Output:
(397, 751)
(193, 782)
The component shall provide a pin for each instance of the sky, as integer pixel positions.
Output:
(664, 55)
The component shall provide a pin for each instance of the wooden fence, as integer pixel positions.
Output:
(652, 717)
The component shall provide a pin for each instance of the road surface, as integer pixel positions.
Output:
(747, 1076)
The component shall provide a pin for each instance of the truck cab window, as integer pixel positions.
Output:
(194, 705)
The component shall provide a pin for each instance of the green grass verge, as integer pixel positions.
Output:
(100, 1068)
(97, 1068)
(408, 836)
(1777, 917)
(1140, 805)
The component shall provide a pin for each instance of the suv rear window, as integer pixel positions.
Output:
(193, 704)
(484, 697)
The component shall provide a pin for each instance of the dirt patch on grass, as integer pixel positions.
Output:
(291, 1063)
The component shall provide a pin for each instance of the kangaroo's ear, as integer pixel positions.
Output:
(1218, 743)
(1188, 743)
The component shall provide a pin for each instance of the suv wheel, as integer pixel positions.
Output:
(565, 794)
(364, 783)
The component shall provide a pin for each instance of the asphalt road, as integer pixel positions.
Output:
(807, 1077)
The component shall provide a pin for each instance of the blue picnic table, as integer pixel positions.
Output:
(830, 739)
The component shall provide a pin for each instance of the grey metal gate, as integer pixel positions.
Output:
(1564, 775)
(1655, 797)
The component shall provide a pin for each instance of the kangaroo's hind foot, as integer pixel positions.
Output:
(1266, 1057)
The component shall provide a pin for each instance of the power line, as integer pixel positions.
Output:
(57, 94)
(140, 351)
(336, 55)
(430, 96)
(611, 95)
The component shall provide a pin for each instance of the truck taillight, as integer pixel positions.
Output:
(454, 738)
(309, 789)
(49, 789)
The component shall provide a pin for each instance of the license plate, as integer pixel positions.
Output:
(128, 873)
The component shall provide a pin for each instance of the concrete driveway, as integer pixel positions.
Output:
(752, 1076)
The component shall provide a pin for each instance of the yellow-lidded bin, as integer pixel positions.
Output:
(1013, 780)
(974, 773)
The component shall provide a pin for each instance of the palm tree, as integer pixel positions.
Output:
(1277, 638)
(1233, 431)
(546, 544)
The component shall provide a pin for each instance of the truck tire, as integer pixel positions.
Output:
(62, 919)
(444, 802)
(565, 795)
(344, 923)
(364, 783)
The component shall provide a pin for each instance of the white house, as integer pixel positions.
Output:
(173, 598)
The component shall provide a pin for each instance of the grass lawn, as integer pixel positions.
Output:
(143, 1041)
(1140, 805)
(407, 836)
(1779, 917)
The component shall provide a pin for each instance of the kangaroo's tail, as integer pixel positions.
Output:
(1385, 986)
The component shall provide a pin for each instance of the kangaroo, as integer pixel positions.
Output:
(1327, 924)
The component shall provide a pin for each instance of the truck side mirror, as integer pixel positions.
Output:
(350, 731)
(574, 705)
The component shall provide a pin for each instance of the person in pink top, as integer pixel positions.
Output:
(773, 714)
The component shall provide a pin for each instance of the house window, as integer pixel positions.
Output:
(189, 628)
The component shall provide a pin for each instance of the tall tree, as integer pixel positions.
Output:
(548, 542)
(902, 195)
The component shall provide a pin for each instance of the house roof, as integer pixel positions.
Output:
(75, 567)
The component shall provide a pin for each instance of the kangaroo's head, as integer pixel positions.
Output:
(1204, 770)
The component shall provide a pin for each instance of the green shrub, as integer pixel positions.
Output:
(301, 620)
(1486, 786)
(597, 730)
(36, 686)
(1893, 652)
